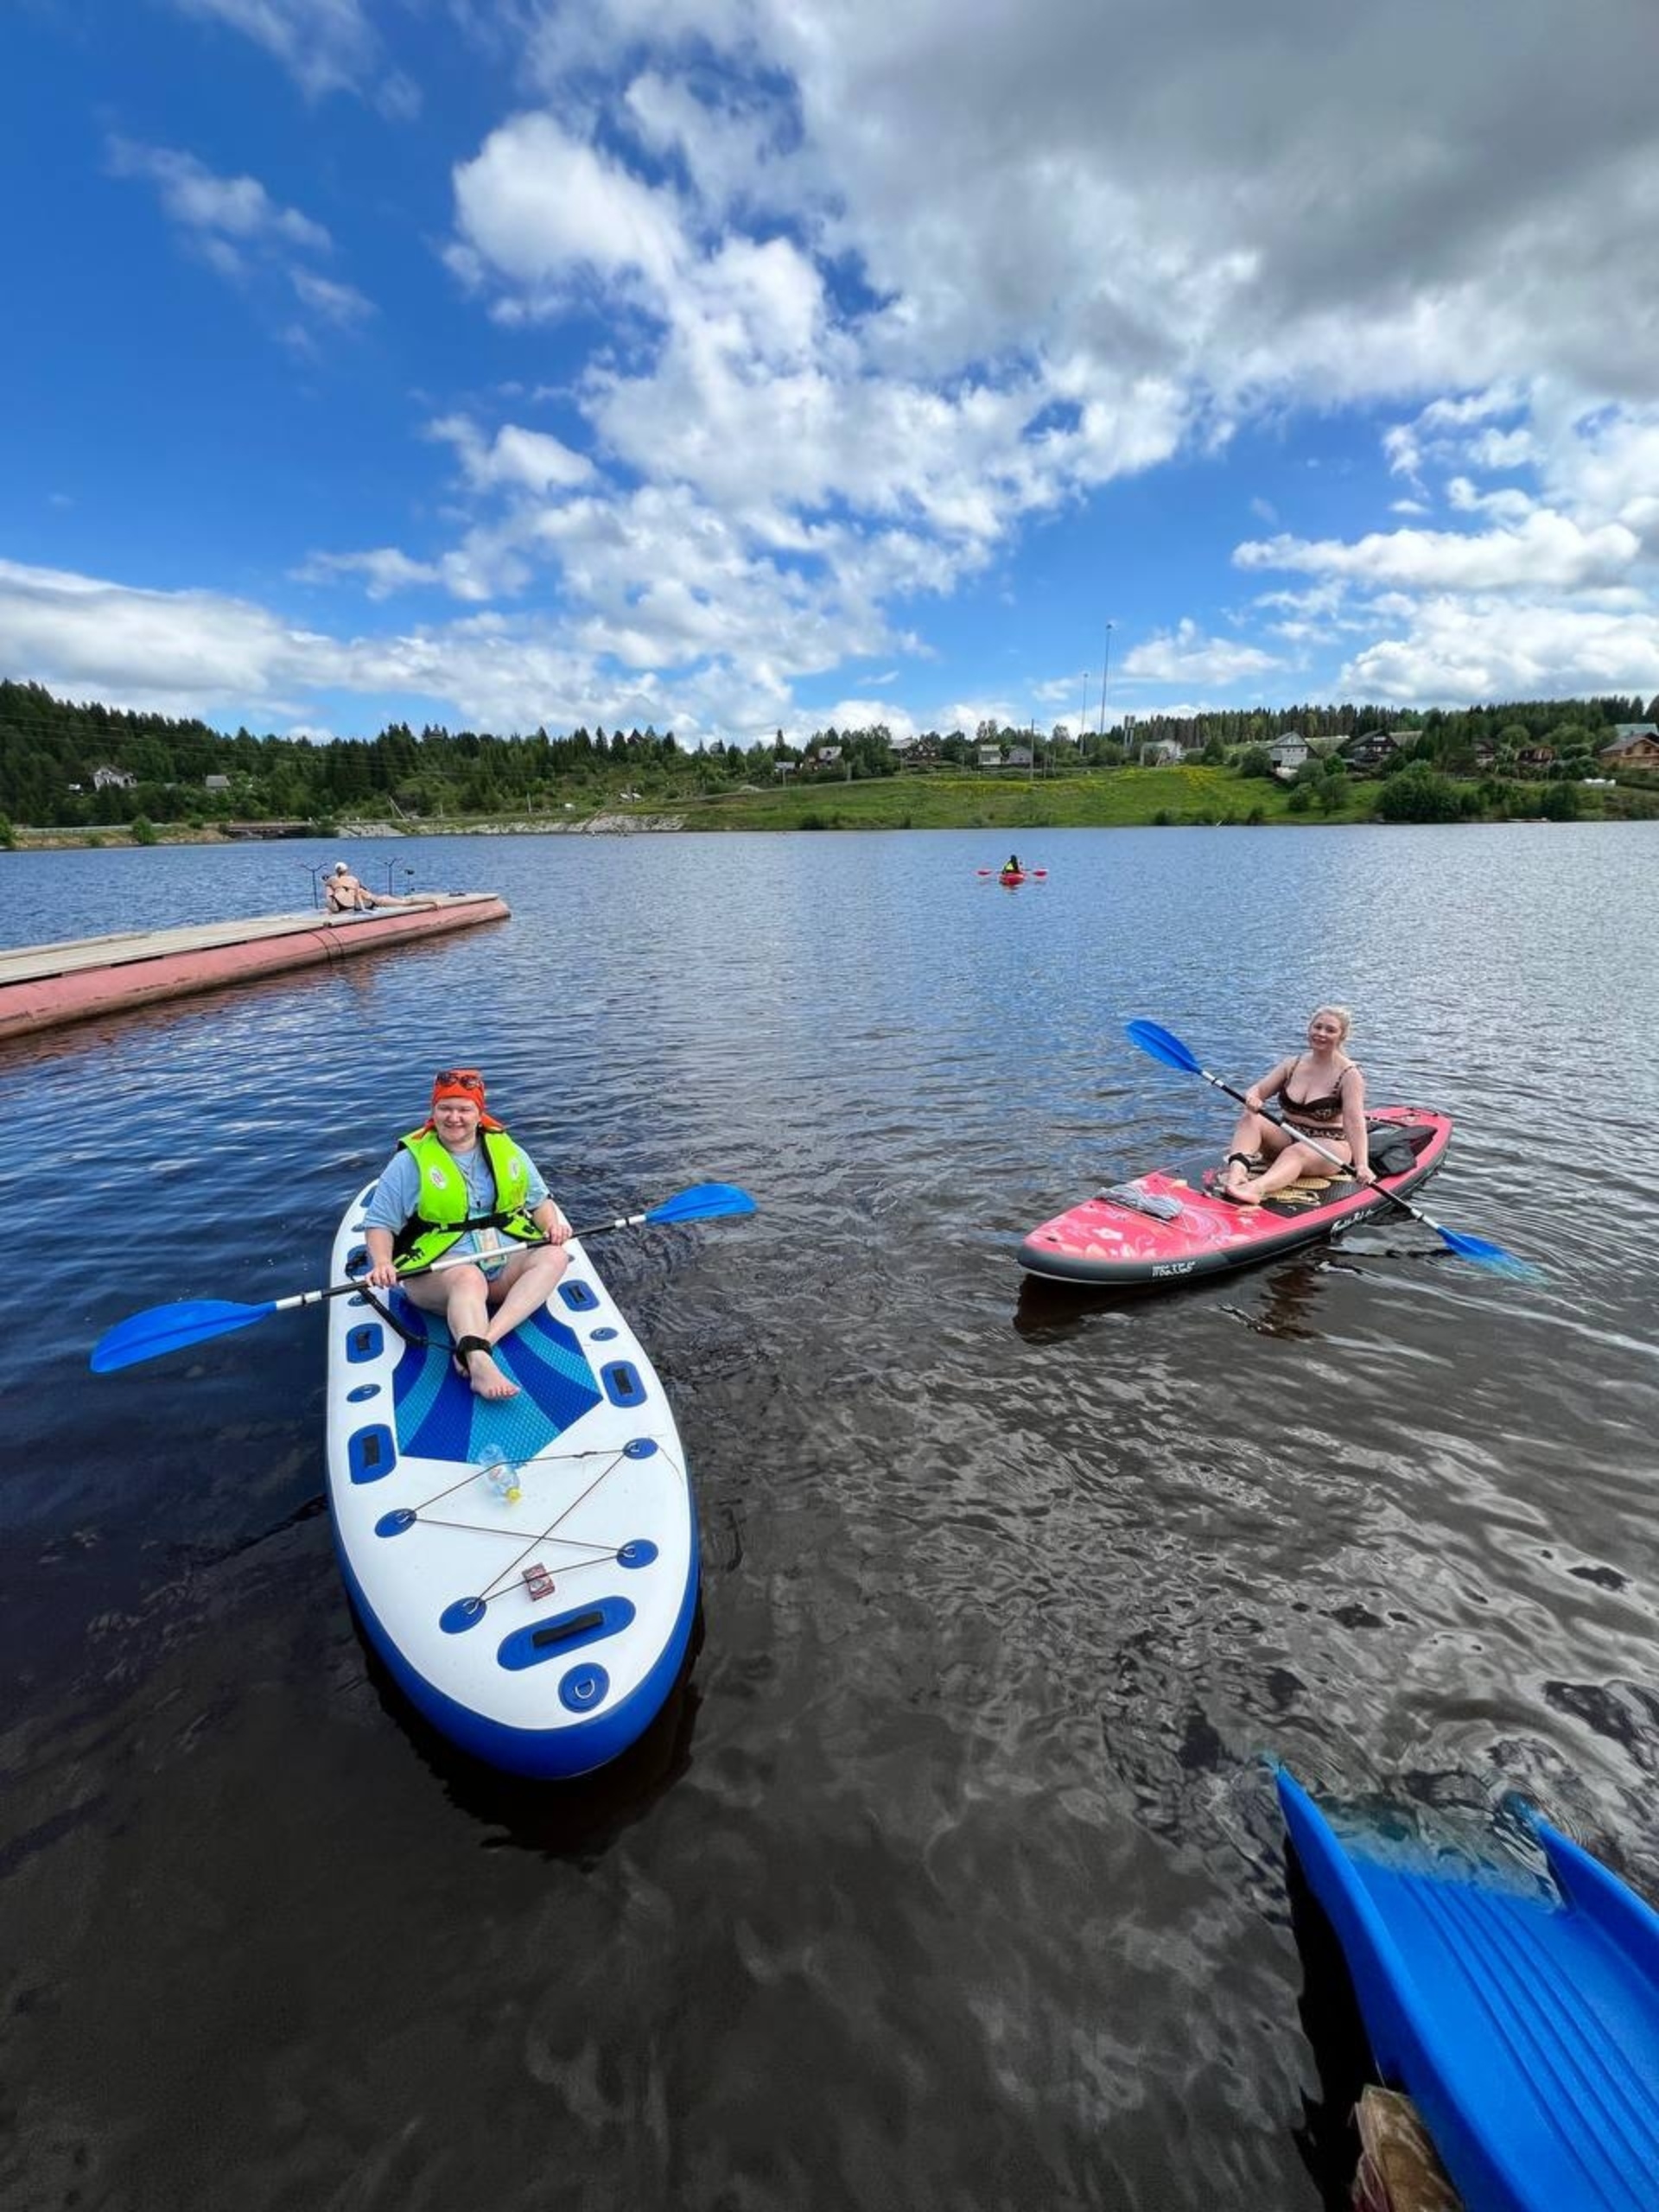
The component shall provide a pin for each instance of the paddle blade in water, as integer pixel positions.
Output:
(170, 1328)
(704, 1202)
(1162, 1045)
(1488, 1255)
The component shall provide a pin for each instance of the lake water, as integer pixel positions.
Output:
(953, 1879)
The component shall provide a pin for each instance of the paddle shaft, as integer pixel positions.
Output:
(170, 1328)
(449, 1259)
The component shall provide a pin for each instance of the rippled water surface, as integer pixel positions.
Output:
(952, 1878)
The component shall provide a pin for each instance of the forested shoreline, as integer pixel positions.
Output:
(70, 766)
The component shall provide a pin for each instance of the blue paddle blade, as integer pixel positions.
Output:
(1487, 1256)
(704, 1202)
(170, 1328)
(1162, 1047)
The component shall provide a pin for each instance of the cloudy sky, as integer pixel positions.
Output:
(789, 362)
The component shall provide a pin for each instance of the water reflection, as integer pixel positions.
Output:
(1328, 2008)
(1284, 1299)
(1289, 1298)
(578, 1819)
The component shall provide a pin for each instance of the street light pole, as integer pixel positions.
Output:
(1106, 670)
(1082, 719)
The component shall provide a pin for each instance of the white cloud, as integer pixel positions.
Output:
(1186, 657)
(1544, 551)
(1466, 497)
(1603, 463)
(228, 211)
(325, 46)
(1495, 449)
(1456, 651)
(179, 651)
(206, 653)
(865, 714)
(728, 136)
(873, 294)
(535, 208)
(385, 570)
(339, 304)
(233, 226)
(516, 460)
(1036, 312)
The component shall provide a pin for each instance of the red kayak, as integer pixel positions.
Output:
(1162, 1228)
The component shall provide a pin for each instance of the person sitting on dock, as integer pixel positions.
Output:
(459, 1184)
(1322, 1095)
(344, 894)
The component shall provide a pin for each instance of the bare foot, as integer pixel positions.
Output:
(488, 1381)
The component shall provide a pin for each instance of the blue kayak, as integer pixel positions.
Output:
(1520, 2014)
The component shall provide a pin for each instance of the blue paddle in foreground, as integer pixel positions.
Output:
(159, 1329)
(1163, 1046)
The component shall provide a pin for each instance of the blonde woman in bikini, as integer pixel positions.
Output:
(1320, 1094)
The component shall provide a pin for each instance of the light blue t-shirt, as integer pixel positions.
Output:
(399, 1186)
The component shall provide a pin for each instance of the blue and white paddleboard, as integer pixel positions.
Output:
(527, 1566)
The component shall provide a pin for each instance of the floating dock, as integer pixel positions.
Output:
(42, 986)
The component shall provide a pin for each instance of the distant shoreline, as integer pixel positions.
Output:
(1168, 797)
(59, 841)
(70, 841)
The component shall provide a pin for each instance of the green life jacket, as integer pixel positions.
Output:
(441, 1218)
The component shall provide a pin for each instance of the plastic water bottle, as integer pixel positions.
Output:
(502, 1476)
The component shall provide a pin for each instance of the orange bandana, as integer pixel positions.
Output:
(463, 1083)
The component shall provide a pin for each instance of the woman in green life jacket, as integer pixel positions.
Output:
(459, 1184)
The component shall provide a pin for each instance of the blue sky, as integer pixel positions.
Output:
(764, 363)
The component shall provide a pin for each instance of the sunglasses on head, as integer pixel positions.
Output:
(472, 1078)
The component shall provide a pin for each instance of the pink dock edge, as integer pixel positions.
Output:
(42, 986)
